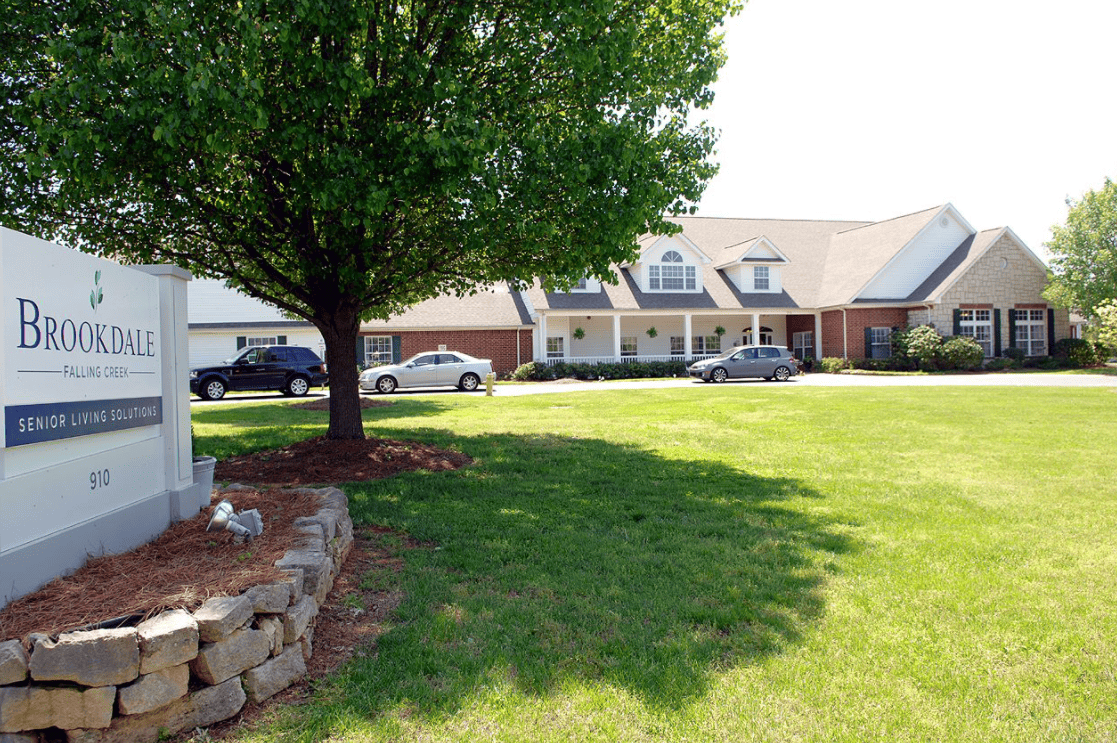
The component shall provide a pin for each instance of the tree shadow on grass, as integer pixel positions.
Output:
(565, 559)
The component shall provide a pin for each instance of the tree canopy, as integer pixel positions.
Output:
(1084, 252)
(346, 159)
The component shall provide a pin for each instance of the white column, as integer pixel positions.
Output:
(755, 329)
(616, 338)
(688, 344)
(817, 336)
(542, 349)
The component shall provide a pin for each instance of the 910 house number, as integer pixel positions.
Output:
(98, 479)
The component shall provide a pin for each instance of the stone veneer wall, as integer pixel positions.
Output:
(134, 684)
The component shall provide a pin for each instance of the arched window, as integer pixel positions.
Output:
(673, 275)
(765, 337)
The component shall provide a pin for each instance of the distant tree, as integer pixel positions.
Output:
(1104, 326)
(345, 159)
(1084, 252)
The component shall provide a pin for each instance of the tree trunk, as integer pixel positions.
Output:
(345, 400)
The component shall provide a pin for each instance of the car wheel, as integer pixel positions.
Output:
(213, 389)
(782, 373)
(298, 386)
(386, 385)
(469, 382)
(719, 375)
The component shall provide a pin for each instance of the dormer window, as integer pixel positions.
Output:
(580, 284)
(760, 278)
(671, 274)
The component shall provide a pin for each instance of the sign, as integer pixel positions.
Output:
(80, 344)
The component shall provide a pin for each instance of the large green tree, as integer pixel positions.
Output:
(1084, 252)
(345, 159)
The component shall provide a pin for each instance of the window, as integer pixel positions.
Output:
(672, 276)
(580, 285)
(881, 343)
(1030, 330)
(628, 345)
(555, 348)
(269, 340)
(765, 336)
(378, 349)
(702, 344)
(803, 343)
(977, 324)
(760, 278)
(678, 345)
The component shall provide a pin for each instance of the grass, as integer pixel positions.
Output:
(736, 563)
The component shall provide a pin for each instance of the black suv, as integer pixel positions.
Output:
(291, 369)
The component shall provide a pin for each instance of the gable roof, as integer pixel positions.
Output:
(492, 307)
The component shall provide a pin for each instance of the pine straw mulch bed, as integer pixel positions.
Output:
(186, 565)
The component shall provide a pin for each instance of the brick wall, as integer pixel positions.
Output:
(856, 320)
(498, 345)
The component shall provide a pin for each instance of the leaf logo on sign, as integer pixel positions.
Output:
(97, 295)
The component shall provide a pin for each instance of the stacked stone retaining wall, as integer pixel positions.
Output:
(178, 670)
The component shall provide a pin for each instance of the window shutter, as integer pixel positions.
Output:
(868, 343)
(996, 332)
(360, 350)
(397, 341)
(1050, 331)
(1012, 328)
(281, 340)
(957, 321)
(242, 341)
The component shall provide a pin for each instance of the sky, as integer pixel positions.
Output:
(873, 109)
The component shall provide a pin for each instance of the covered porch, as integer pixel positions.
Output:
(619, 338)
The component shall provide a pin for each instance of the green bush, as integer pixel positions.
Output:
(920, 347)
(961, 352)
(526, 371)
(833, 365)
(539, 372)
(1079, 352)
(1001, 364)
(1014, 353)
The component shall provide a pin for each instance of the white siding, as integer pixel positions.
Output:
(211, 302)
(208, 347)
(918, 260)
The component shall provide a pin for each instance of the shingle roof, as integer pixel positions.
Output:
(496, 307)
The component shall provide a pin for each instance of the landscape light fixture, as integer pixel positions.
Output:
(247, 524)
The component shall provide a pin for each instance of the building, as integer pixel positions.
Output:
(820, 288)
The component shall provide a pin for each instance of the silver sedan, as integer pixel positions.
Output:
(767, 362)
(434, 369)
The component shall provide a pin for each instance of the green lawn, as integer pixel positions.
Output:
(748, 562)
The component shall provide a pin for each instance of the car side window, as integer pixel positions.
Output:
(749, 353)
(279, 354)
(448, 358)
(769, 353)
(426, 360)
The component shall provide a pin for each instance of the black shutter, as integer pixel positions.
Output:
(360, 350)
(957, 322)
(868, 343)
(1050, 331)
(1012, 328)
(242, 341)
(996, 332)
(397, 341)
(281, 340)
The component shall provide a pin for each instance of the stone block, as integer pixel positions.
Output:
(273, 598)
(19, 738)
(273, 627)
(316, 568)
(13, 662)
(275, 675)
(103, 657)
(217, 703)
(298, 618)
(25, 708)
(294, 580)
(153, 690)
(169, 639)
(220, 661)
(218, 617)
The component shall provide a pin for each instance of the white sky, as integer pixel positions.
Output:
(873, 109)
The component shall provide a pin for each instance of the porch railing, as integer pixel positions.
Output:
(625, 359)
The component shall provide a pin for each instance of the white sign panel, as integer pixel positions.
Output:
(81, 387)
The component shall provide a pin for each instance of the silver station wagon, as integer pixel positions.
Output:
(767, 362)
(434, 369)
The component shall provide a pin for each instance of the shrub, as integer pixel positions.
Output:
(920, 346)
(1001, 364)
(539, 372)
(833, 365)
(1077, 351)
(526, 371)
(961, 352)
(1014, 353)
